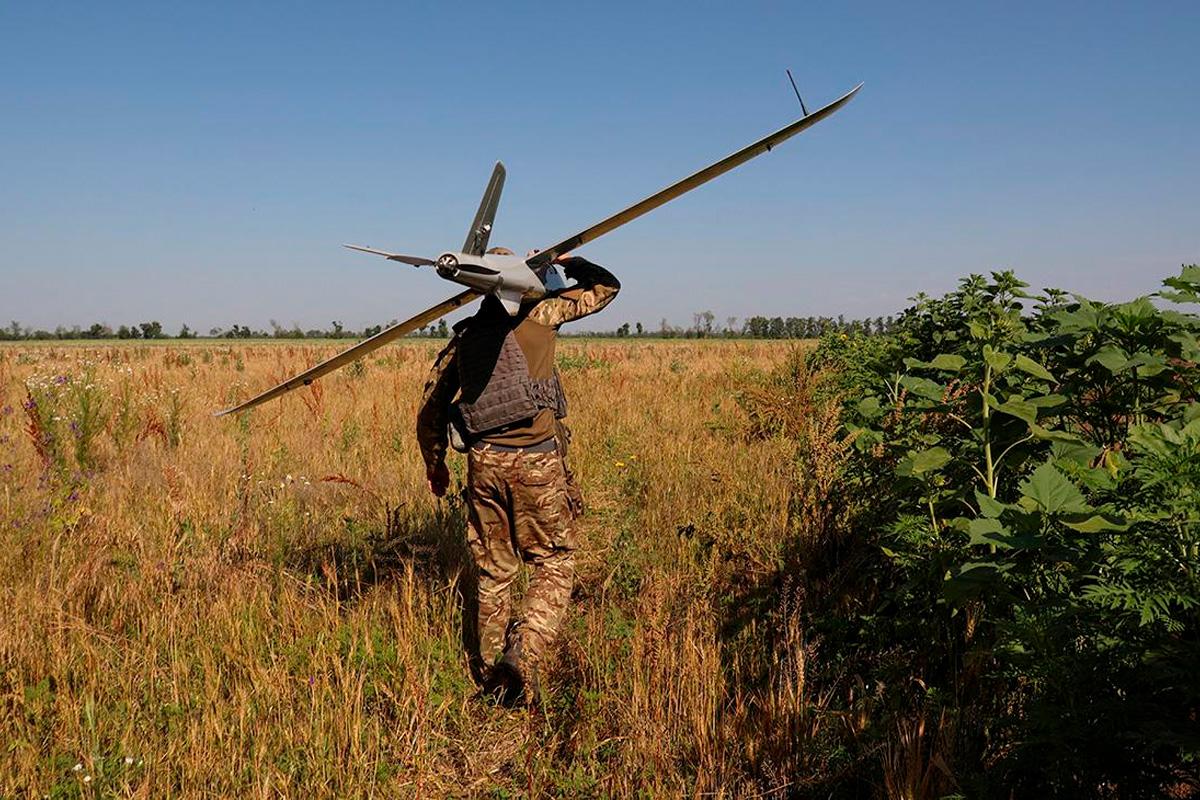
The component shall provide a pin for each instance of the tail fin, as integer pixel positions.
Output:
(481, 228)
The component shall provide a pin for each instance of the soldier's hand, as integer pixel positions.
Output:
(571, 266)
(438, 479)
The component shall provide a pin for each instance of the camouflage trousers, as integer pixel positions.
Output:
(519, 511)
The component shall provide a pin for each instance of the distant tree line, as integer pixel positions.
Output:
(154, 330)
(705, 326)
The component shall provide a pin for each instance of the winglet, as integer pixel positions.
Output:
(797, 91)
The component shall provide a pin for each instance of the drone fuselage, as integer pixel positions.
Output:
(509, 278)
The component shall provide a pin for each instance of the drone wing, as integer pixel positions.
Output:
(357, 351)
(416, 261)
(705, 175)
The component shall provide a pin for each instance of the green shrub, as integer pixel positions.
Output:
(1021, 561)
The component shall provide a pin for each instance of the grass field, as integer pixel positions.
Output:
(273, 606)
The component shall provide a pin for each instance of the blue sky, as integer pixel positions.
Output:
(203, 163)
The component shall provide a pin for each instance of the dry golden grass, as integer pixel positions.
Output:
(271, 606)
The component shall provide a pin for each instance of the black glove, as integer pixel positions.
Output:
(573, 267)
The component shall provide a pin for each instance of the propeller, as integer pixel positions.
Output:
(477, 269)
(448, 266)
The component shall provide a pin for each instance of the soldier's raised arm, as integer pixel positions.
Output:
(595, 287)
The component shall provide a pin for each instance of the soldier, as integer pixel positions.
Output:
(521, 502)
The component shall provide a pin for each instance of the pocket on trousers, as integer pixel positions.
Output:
(543, 513)
(542, 475)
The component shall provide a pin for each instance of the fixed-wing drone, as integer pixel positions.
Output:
(515, 279)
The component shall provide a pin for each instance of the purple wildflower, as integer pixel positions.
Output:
(59, 380)
(6, 411)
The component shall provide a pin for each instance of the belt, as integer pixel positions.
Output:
(547, 446)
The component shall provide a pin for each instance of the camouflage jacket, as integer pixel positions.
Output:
(594, 289)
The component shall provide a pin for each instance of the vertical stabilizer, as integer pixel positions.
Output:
(481, 228)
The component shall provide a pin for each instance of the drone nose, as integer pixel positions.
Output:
(447, 265)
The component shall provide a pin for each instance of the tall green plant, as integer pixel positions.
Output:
(1027, 467)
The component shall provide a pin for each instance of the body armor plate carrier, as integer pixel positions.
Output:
(496, 388)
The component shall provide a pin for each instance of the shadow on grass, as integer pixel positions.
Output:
(376, 551)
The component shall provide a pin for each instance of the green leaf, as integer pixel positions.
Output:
(1148, 365)
(1095, 523)
(989, 506)
(1050, 490)
(948, 362)
(1112, 359)
(1188, 280)
(971, 579)
(923, 387)
(960, 524)
(1048, 400)
(1021, 409)
(1189, 346)
(865, 438)
(996, 359)
(929, 460)
(869, 407)
(1028, 365)
(1068, 448)
(989, 531)
(1054, 435)
(1085, 318)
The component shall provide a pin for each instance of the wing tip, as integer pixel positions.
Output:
(364, 249)
(850, 94)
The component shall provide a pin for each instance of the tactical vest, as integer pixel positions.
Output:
(496, 388)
